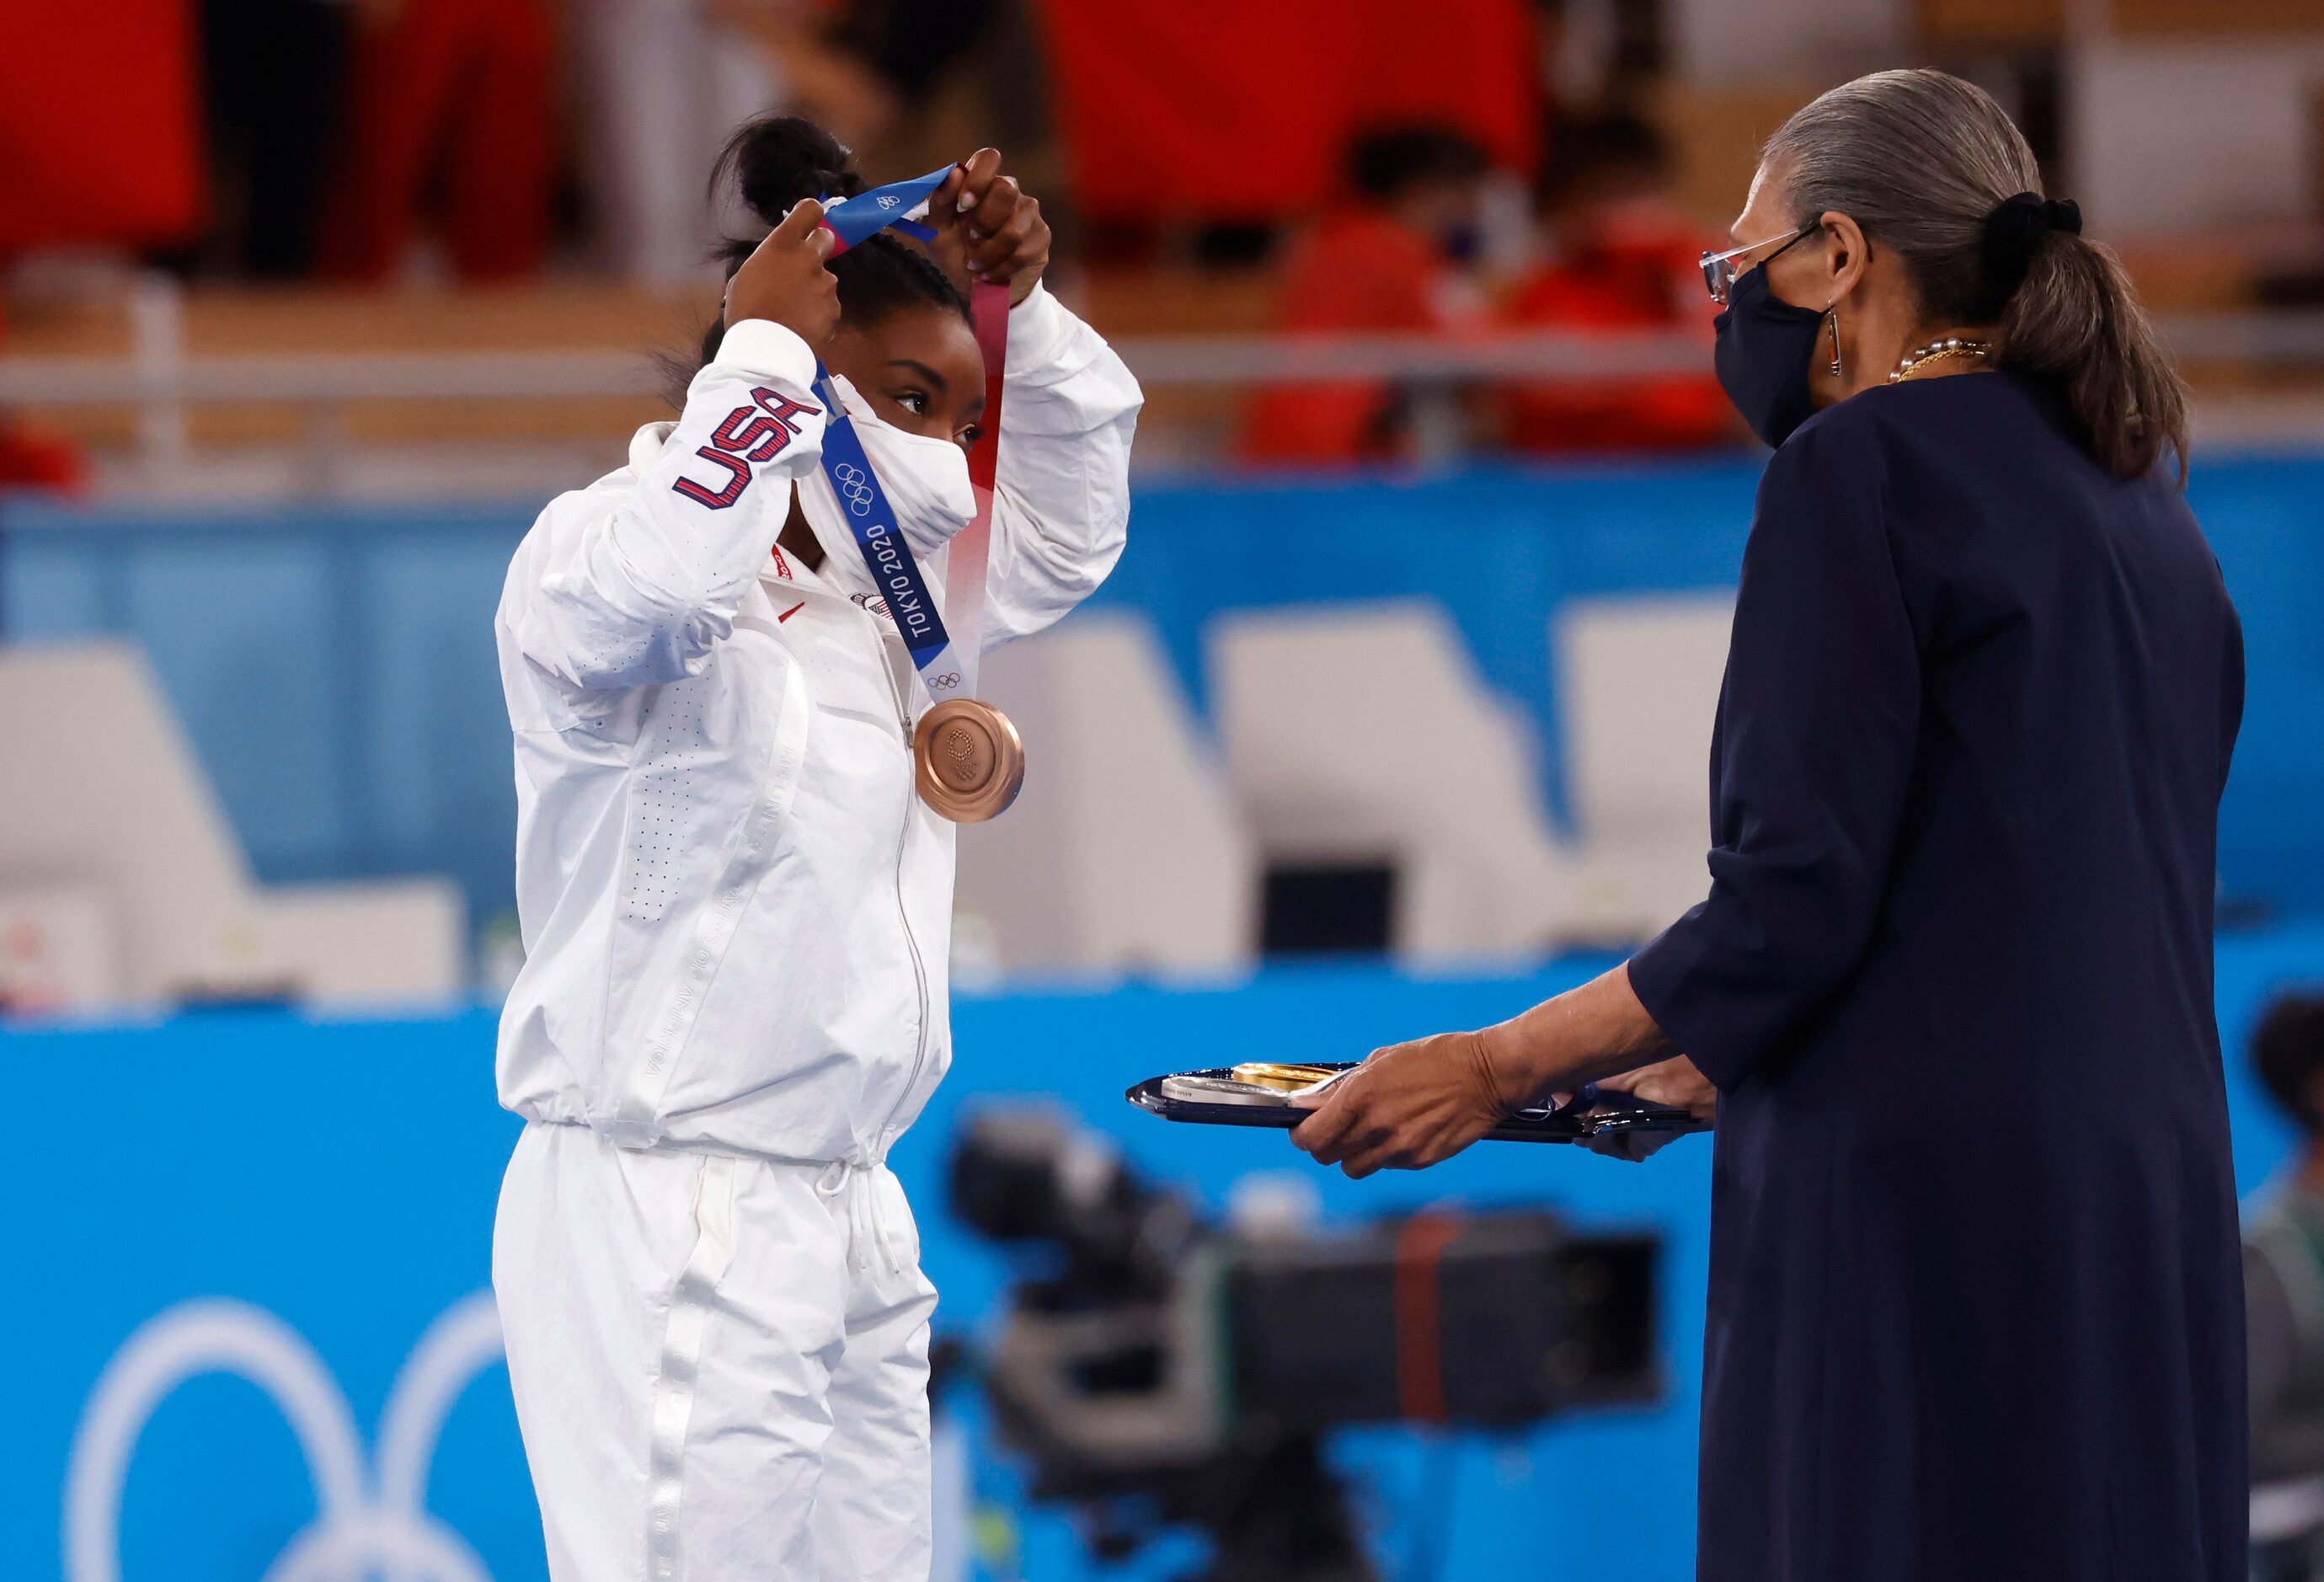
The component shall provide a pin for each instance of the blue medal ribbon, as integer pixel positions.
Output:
(898, 204)
(895, 570)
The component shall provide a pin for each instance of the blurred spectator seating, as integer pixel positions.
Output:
(115, 845)
(663, 86)
(641, 323)
(1388, 258)
(31, 458)
(452, 95)
(99, 128)
(1637, 690)
(1622, 257)
(1362, 733)
(1126, 851)
(99, 144)
(552, 432)
(274, 83)
(631, 323)
(1713, 134)
(1238, 112)
(1181, 424)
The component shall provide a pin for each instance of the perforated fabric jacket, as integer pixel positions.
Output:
(736, 911)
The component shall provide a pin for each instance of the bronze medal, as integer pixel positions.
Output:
(969, 761)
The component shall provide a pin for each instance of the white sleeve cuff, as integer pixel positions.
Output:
(763, 346)
(1037, 329)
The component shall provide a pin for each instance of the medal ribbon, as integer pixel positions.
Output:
(946, 657)
(972, 547)
(898, 204)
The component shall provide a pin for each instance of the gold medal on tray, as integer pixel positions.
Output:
(1266, 1083)
(1285, 1078)
(969, 761)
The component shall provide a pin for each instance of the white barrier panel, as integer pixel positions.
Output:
(384, 943)
(1637, 693)
(104, 797)
(1125, 851)
(1363, 733)
(101, 790)
(59, 952)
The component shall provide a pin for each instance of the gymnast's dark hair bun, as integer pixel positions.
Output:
(775, 161)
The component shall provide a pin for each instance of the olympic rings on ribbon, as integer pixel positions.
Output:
(855, 488)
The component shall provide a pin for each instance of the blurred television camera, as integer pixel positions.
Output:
(1158, 1370)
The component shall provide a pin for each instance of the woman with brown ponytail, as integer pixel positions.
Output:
(1975, 1310)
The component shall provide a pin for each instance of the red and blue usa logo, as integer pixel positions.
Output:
(746, 436)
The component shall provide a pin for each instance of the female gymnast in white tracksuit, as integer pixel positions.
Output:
(736, 910)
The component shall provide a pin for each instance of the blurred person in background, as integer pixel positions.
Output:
(454, 96)
(34, 459)
(664, 80)
(913, 44)
(101, 146)
(737, 910)
(31, 458)
(1975, 1307)
(1392, 257)
(2284, 1298)
(1621, 257)
(664, 83)
(274, 77)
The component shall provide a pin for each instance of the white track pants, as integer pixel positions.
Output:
(720, 1363)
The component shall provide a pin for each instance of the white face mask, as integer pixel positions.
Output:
(925, 481)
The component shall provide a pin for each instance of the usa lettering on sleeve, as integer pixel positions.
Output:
(758, 432)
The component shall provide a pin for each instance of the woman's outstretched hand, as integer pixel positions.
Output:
(989, 229)
(785, 280)
(1407, 1106)
(1676, 1082)
(1412, 1105)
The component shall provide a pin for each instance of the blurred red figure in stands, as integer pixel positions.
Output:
(453, 94)
(1624, 258)
(1392, 259)
(31, 459)
(99, 146)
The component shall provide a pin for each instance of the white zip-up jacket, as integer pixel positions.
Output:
(736, 910)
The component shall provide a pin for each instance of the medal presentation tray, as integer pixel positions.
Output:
(1589, 1115)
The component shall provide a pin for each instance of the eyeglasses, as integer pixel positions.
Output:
(1719, 271)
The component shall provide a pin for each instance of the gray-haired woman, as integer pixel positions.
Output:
(1976, 1311)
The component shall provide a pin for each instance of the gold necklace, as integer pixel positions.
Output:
(1936, 351)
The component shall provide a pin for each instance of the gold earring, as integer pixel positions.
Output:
(1832, 317)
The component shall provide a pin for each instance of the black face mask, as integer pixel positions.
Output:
(1765, 347)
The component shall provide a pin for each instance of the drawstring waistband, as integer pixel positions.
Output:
(866, 1220)
(858, 1183)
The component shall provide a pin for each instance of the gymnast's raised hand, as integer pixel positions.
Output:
(988, 228)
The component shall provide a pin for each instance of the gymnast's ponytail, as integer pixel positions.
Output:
(1930, 165)
(774, 162)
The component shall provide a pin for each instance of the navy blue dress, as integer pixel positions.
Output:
(1976, 1309)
